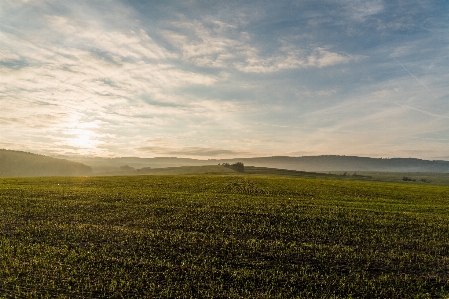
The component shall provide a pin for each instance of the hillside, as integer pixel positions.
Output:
(183, 170)
(16, 163)
(347, 163)
(306, 163)
(106, 166)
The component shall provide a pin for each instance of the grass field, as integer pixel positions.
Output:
(441, 179)
(222, 236)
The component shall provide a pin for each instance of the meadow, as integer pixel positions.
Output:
(222, 236)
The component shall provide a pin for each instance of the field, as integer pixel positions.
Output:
(441, 179)
(222, 236)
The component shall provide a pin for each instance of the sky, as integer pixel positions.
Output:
(225, 79)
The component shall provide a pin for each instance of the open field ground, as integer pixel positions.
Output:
(222, 236)
(441, 179)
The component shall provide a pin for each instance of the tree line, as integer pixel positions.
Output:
(239, 167)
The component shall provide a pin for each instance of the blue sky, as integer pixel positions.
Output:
(215, 79)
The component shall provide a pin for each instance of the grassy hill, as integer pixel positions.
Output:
(285, 172)
(17, 163)
(307, 163)
(220, 169)
(347, 163)
(397, 177)
(208, 169)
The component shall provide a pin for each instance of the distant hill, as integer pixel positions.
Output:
(306, 163)
(17, 163)
(347, 163)
(209, 169)
(105, 166)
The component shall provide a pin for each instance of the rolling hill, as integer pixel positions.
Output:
(307, 163)
(17, 163)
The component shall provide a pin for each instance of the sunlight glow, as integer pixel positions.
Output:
(83, 139)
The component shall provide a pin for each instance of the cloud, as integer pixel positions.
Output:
(11, 121)
(401, 51)
(9, 57)
(424, 111)
(109, 79)
(322, 58)
(118, 44)
(93, 70)
(176, 146)
(360, 10)
(222, 47)
(192, 151)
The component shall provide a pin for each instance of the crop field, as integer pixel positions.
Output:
(222, 236)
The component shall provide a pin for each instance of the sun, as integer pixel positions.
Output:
(83, 139)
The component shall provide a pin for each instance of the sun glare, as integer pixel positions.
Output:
(83, 139)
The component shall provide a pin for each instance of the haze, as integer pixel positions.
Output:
(222, 79)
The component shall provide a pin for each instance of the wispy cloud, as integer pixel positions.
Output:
(223, 79)
(221, 47)
(360, 10)
(192, 152)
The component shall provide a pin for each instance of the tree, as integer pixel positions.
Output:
(127, 168)
(239, 167)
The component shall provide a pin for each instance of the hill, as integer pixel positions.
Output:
(106, 166)
(17, 163)
(182, 170)
(348, 163)
(306, 163)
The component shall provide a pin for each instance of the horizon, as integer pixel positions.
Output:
(232, 158)
(247, 79)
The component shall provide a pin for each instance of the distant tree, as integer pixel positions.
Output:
(407, 179)
(144, 170)
(127, 168)
(239, 167)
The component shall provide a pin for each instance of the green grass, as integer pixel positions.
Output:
(426, 178)
(230, 236)
(208, 169)
(285, 172)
